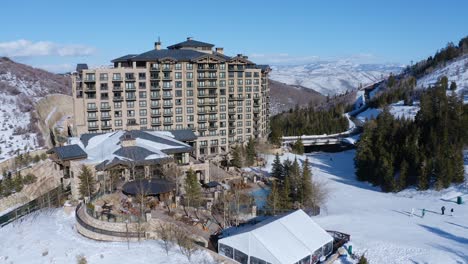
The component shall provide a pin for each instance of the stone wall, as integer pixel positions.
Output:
(48, 178)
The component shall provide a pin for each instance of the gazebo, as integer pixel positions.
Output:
(159, 188)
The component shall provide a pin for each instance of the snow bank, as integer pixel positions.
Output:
(50, 237)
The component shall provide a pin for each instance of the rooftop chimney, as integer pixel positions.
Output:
(157, 44)
(220, 50)
(189, 38)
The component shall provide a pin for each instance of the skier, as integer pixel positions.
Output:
(443, 209)
(451, 212)
(423, 212)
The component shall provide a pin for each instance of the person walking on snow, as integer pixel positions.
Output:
(443, 209)
(451, 212)
(423, 213)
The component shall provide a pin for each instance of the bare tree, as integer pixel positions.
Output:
(166, 235)
(186, 244)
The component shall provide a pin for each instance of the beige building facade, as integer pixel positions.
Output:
(223, 99)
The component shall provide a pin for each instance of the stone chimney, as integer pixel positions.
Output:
(220, 50)
(189, 38)
(157, 45)
(128, 140)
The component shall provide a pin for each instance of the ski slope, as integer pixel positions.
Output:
(379, 223)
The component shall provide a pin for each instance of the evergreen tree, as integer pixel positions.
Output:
(295, 180)
(250, 152)
(192, 195)
(87, 184)
(306, 185)
(403, 177)
(237, 157)
(453, 86)
(285, 199)
(274, 198)
(298, 147)
(277, 167)
(286, 168)
(18, 182)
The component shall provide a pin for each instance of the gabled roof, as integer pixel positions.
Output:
(184, 134)
(190, 43)
(69, 152)
(284, 239)
(124, 58)
(180, 55)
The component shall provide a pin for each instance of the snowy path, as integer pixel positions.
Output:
(379, 223)
(50, 237)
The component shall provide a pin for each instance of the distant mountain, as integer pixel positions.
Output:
(21, 87)
(284, 97)
(333, 77)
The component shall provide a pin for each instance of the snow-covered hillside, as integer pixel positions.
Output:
(456, 71)
(21, 87)
(332, 77)
(380, 224)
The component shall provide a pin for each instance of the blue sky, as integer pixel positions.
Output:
(59, 34)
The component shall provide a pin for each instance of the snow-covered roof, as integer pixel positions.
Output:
(284, 239)
(148, 146)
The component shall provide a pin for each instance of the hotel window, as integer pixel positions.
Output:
(104, 96)
(239, 123)
(248, 82)
(240, 74)
(178, 66)
(130, 113)
(116, 77)
(248, 130)
(178, 75)
(239, 109)
(178, 101)
(222, 66)
(222, 132)
(129, 85)
(142, 94)
(231, 82)
(130, 104)
(118, 113)
(118, 123)
(178, 84)
(142, 103)
(179, 119)
(222, 116)
(239, 138)
(143, 121)
(190, 118)
(178, 110)
(189, 75)
(239, 131)
(248, 89)
(248, 116)
(189, 110)
(222, 100)
(92, 124)
(141, 75)
(222, 108)
(222, 83)
(103, 77)
(240, 89)
(240, 82)
(248, 74)
(143, 112)
(222, 75)
(118, 105)
(189, 101)
(178, 93)
(179, 126)
(91, 105)
(166, 66)
(223, 141)
(189, 92)
(248, 123)
(104, 86)
(92, 115)
(189, 66)
(167, 84)
(142, 85)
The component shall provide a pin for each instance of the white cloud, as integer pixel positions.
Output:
(27, 48)
(57, 68)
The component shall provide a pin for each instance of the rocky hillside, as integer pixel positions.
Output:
(21, 87)
(333, 77)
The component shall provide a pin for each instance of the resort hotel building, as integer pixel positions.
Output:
(191, 85)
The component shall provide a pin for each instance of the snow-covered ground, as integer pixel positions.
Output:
(11, 120)
(380, 224)
(455, 70)
(50, 237)
(332, 77)
(398, 110)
